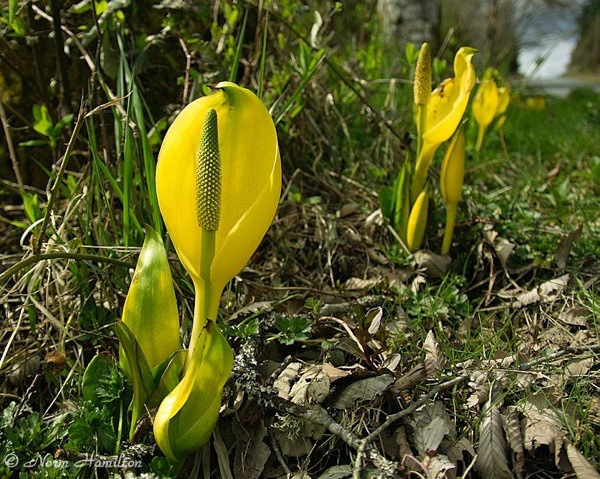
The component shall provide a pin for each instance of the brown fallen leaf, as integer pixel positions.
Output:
(492, 458)
(363, 390)
(564, 247)
(434, 265)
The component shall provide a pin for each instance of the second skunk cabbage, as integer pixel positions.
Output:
(249, 184)
(485, 105)
(445, 109)
(451, 183)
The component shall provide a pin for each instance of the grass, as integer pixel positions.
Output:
(312, 293)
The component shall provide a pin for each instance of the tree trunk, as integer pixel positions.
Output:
(406, 21)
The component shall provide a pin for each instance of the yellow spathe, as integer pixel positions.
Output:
(449, 100)
(250, 188)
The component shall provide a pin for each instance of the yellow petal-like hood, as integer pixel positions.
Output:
(485, 102)
(449, 100)
(250, 174)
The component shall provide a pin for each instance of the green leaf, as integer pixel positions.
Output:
(138, 370)
(150, 310)
(167, 376)
(402, 200)
(93, 375)
(62, 123)
(386, 201)
(42, 121)
(33, 143)
(13, 6)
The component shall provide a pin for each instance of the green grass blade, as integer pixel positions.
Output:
(263, 57)
(238, 50)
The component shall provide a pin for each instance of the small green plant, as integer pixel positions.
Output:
(291, 329)
(44, 125)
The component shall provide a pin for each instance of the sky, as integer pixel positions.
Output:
(556, 57)
(554, 35)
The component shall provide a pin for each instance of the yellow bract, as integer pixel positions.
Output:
(187, 416)
(503, 102)
(485, 102)
(453, 169)
(451, 183)
(417, 222)
(251, 183)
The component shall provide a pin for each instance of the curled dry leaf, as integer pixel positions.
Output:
(337, 472)
(545, 292)
(252, 308)
(577, 316)
(581, 466)
(283, 383)
(431, 423)
(439, 467)
(501, 246)
(359, 284)
(564, 247)
(541, 424)
(312, 386)
(251, 452)
(434, 265)
(433, 360)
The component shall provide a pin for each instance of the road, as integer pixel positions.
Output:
(561, 87)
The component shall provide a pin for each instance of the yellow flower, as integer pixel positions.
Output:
(485, 105)
(218, 181)
(445, 109)
(451, 183)
(249, 184)
(187, 416)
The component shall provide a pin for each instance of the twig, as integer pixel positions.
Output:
(337, 72)
(188, 65)
(59, 255)
(11, 147)
(59, 176)
(278, 453)
(65, 86)
(416, 405)
(568, 351)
